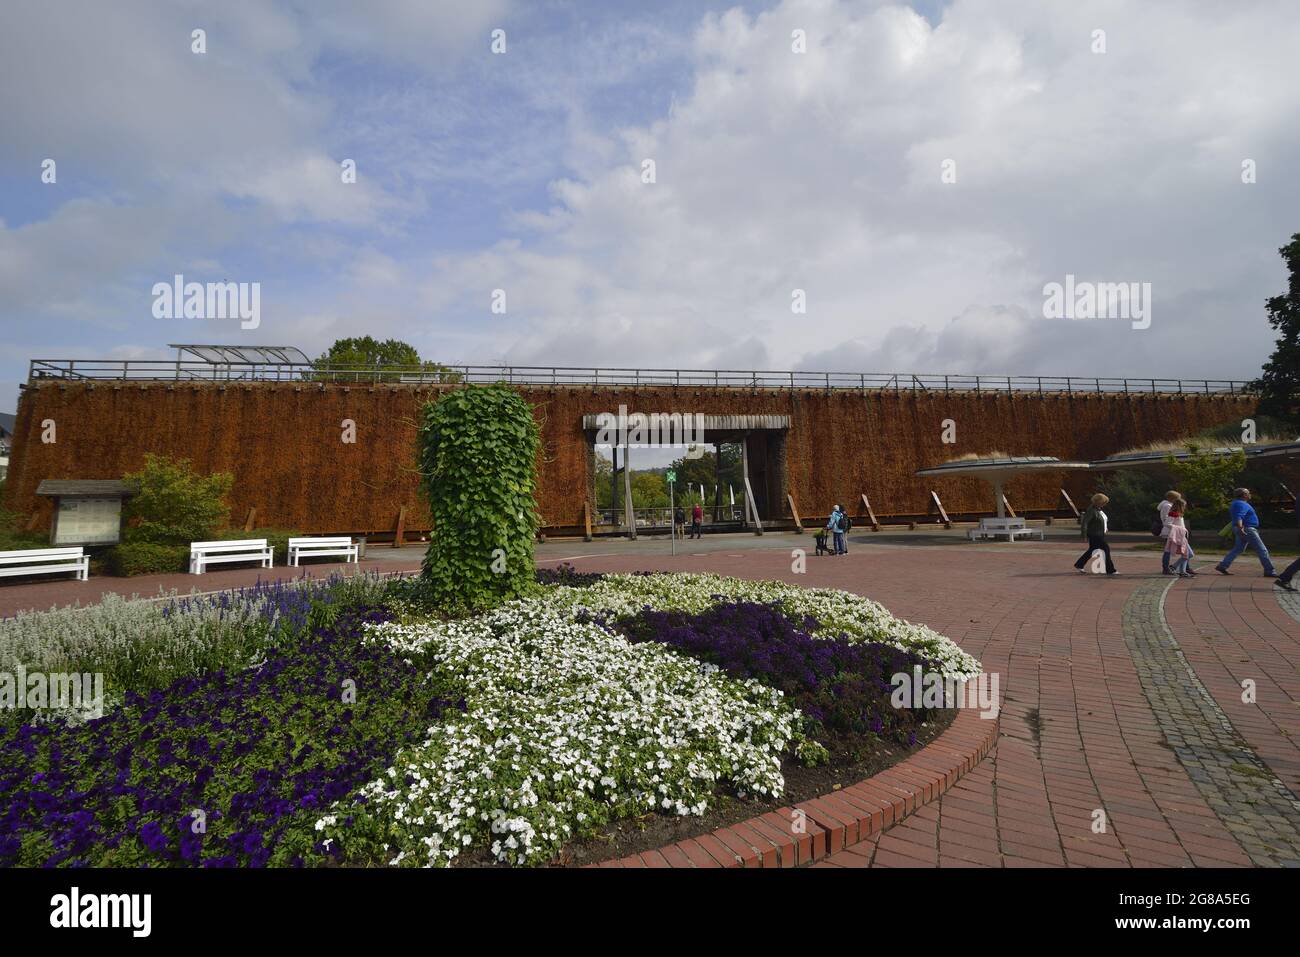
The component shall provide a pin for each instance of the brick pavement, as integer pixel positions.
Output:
(1078, 732)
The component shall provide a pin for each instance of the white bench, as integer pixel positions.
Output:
(203, 554)
(1012, 528)
(318, 547)
(42, 561)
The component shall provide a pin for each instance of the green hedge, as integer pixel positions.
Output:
(477, 461)
(146, 558)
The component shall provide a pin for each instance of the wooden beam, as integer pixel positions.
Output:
(586, 520)
(248, 522)
(939, 505)
(1011, 510)
(751, 508)
(629, 511)
(400, 532)
(798, 524)
(34, 522)
(1069, 502)
(866, 503)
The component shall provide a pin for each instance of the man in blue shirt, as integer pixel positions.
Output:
(1245, 530)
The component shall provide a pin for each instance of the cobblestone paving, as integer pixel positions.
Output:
(1247, 797)
(1290, 602)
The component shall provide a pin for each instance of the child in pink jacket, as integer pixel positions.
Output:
(1176, 545)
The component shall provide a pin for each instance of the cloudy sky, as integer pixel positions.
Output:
(774, 171)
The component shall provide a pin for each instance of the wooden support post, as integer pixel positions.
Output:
(866, 503)
(943, 516)
(248, 522)
(586, 520)
(798, 524)
(34, 522)
(629, 512)
(1011, 511)
(1069, 502)
(751, 508)
(400, 532)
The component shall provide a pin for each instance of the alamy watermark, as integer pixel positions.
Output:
(214, 300)
(56, 691)
(921, 689)
(655, 430)
(1098, 300)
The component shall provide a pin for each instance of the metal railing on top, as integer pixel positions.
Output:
(186, 371)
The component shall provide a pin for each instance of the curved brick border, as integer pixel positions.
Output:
(838, 819)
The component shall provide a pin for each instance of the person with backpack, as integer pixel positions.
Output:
(846, 524)
(1094, 525)
(836, 528)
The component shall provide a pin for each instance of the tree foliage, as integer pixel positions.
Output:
(175, 504)
(1279, 386)
(367, 353)
(477, 460)
(1206, 480)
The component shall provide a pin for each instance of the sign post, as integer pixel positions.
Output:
(672, 511)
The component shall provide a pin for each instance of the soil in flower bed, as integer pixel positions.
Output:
(850, 763)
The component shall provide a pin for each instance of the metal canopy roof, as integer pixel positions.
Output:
(219, 354)
(1280, 450)
(1008, 465)
(86, 488)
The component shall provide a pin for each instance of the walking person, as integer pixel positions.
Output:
(1172, 508)
(1288, 573)
(697, 521)
(1178, 551)
(679, 519)
(1245, 530)
(1094, 525)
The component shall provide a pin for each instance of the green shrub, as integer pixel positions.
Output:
(1134, 496)
(12, 537)
(146, 558)
(477, 456)
(175, 504)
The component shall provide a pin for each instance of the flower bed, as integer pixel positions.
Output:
(141, 645)
(258, 752)
(600, 704)
(570, 726)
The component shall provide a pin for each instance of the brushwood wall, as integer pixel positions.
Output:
(284, 443)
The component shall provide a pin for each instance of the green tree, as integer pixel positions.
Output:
(1279, 386)
(1206, 480)
(477, 459)
(175, 504)
(352, 355)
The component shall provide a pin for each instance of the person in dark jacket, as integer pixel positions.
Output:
(1095, 524)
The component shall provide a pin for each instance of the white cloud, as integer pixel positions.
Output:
(822, 172)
